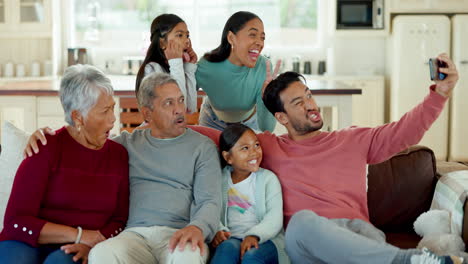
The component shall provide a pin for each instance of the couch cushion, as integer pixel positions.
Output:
(401, 188)
(451, 195)
(403, 240)
(13, 143)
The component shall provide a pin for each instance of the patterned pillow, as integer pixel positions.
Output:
(450, 194)
(13, 142)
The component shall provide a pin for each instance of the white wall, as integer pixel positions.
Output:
(359, 55)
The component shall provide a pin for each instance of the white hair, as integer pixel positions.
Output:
(146, 93)
(80, 89)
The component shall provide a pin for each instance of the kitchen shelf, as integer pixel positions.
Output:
(25, 34)
(361, 33)
(28, 78)
(28, 4)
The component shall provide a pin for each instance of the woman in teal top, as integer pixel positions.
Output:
(233, 76)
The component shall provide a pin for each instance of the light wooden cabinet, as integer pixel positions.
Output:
(2, 13)
(369, 106)
(457, 6)
(32, 112)
(19, 110)
(408, 5)
(5, 15)
(50, 113)
(26, 16)
(27, 34)
(425, 6)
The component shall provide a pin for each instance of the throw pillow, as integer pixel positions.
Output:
(13, 142)
(450, 195)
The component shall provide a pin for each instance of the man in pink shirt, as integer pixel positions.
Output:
(323, 174)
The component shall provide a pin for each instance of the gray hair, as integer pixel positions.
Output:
(146, 93)
(80, 89)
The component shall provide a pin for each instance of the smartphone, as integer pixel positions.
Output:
(434, 65)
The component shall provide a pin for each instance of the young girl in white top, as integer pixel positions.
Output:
(171, 52)
(252, 208)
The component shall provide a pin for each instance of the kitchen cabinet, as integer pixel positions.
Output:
(27, 34)
(4, 15)
(455, 6)
(21, 17)
(369, 106)
(2, 12)
(19, 110)
(50, 113)
(29, 113)
(428, 6)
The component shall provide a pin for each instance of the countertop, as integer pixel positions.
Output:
(124, 85)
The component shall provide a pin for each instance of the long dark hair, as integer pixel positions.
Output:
(160, 27)
(229, 138)
(235, 23)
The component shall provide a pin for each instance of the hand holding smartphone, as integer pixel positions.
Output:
(434, 65)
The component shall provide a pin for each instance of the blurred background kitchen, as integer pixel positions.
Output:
(378, 46)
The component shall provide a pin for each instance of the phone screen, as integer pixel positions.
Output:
(434, 65)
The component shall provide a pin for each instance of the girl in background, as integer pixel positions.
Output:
(171, 52)
(252, 206)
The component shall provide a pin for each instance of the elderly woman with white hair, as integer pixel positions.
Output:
(74, 193)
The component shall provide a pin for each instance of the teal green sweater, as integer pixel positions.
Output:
(234, 88)
(269, 210)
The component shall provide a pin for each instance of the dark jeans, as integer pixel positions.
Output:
(229, 252)
(16, 252)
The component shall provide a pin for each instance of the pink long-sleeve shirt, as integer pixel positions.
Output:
(327, 173)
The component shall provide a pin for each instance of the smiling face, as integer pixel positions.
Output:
(179, 34)
(247, 43)
(100, 120)
(246, 155)
(167, 118)
(301, 116)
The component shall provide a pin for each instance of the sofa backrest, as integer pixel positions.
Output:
(401, 189)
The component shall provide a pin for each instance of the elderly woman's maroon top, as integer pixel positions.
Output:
(69, 184)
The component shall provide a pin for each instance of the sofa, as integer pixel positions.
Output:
(399, 189)
(402, 188)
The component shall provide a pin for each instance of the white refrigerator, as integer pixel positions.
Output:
(415, 39)
(458, 147)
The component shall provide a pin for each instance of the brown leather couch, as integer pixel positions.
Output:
(401, 189)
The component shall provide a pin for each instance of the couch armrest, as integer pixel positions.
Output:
(451, 194)
(401, 189)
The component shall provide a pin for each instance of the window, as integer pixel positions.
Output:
(124, 25)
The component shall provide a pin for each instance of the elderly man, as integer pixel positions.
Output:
(323, 174)
(174, 184)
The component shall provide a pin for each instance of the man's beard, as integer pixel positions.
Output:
(305, 128)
